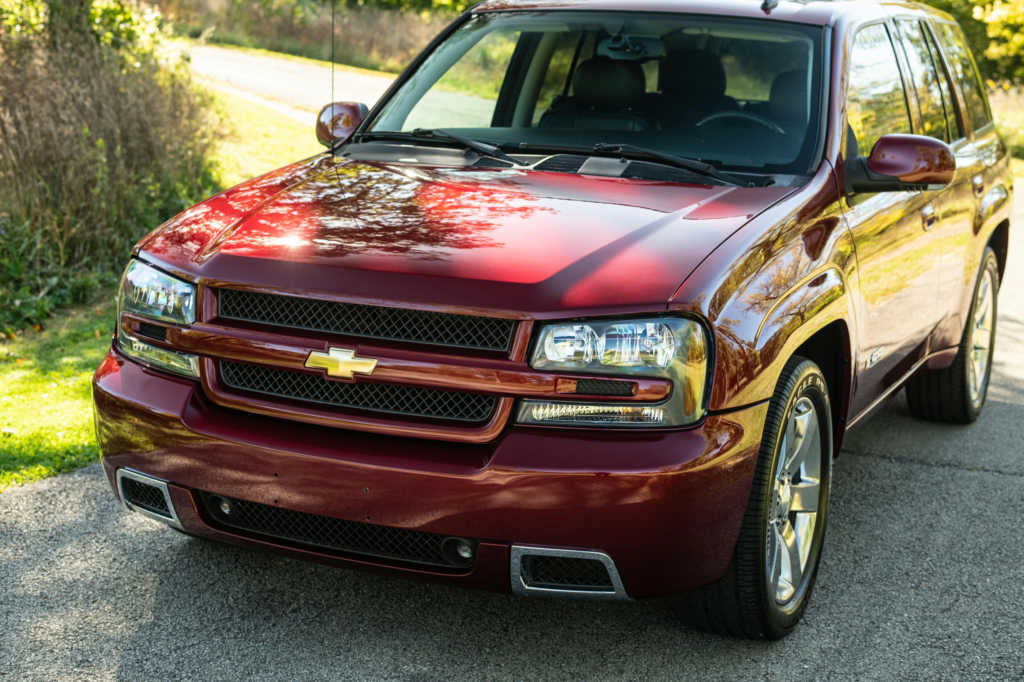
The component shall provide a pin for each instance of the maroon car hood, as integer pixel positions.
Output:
(521, 241)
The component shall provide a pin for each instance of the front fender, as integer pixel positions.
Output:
(774, 285)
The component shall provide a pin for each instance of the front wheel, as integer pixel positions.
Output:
(775, 563)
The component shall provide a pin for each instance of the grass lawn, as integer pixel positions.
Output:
(46, 406)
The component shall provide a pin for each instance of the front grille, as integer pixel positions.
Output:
(367, 321)
(148, 497)
(557, 572)
(395, 399)
(333, 535)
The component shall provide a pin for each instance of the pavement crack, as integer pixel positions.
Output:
(898, 459)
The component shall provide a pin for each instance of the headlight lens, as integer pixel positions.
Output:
(674, 348)
(150, 293)
(147, 292)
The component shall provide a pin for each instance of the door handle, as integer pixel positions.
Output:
(928, 217)
(978, 183)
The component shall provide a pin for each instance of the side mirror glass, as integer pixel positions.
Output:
(902, 163)
(338, 120)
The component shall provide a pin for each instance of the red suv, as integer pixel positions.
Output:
(582, 307)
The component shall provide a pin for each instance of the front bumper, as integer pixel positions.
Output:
(666, 506)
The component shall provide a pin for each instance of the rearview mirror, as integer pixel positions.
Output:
(338, 120)
(903, 163)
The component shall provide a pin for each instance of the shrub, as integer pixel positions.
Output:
(100, 141)
(380, 35)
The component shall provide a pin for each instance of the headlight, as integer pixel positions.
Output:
(673, 348)
(150, 293)
(147, 292)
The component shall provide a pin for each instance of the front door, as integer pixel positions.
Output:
(898, 266)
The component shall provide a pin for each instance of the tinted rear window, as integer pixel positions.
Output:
(967, 73)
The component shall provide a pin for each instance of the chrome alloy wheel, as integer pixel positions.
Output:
(796, 492)
(980, 342)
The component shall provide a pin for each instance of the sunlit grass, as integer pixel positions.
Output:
(262, 139)
(45, 408)
(46, 422)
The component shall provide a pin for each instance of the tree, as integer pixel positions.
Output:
(1004, 22)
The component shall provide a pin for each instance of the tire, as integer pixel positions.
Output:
(951, 394)
(748, 601)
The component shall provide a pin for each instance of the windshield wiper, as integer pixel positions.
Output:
(693, 165)
(437, 134)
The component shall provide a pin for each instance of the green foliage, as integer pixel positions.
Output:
(46, 406)
(100, 141)
(1004, 22)
(20, 18)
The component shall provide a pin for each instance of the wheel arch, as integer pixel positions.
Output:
(830, 349)
(1000, 243)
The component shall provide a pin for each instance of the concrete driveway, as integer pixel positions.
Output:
(922, 577)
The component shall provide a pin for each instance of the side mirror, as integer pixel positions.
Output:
(903, 163)
(338, 120)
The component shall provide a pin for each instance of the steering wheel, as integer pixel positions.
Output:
(746, 115)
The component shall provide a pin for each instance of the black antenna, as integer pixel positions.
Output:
(332, 50)
(768, 5)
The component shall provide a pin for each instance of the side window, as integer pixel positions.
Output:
(925, 79)
(956, 130)
(967, 73)
(466, 95)
(876, 104)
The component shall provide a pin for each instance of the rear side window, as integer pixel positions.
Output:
(925, 77)
(956, 129)
(876, 103)
(966, 72)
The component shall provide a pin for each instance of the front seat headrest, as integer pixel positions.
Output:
(788, 99)
(606, 83)
(696, 74)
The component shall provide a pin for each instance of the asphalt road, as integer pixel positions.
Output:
(302, 84)
(922, 577)
(298, 87)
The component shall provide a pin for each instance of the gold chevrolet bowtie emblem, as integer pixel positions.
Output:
(340, 362)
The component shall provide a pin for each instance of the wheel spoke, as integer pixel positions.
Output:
(805, 496)
(799, 424)
(792, 554)
(775, 554)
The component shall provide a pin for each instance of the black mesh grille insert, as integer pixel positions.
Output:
(333, 535)
(146, 496)
(372, 322)
(398, 399)
(604, 387)
(565, 573)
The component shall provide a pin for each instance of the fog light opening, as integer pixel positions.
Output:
(458, 551)
(224, 506)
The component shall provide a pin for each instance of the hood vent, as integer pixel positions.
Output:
(563, 163)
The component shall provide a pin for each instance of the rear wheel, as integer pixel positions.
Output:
(775, 563)
(957, 394)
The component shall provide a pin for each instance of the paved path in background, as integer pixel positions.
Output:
(300, 87)
(299, 83)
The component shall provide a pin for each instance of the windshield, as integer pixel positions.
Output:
(740, 94)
